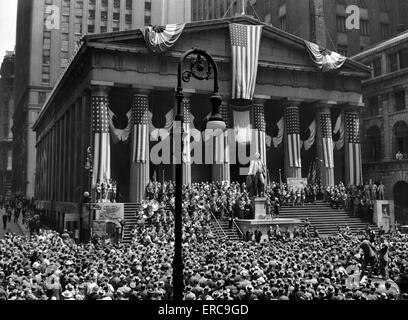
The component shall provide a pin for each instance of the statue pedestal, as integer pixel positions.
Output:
(259, 208)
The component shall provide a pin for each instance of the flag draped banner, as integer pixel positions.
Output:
(293, 123)
(160, 39)
(354, 148)
(140, 131)
(120, 135)
(339, 128)
(312, 137)
(100, 129)
(325, 123)
(260, 124)
(277, 141)
(242, 126)
(245, 41)
(325, 59)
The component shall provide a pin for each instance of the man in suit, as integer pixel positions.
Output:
(258, 172)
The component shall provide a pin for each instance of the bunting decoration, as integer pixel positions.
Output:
(159, 39)
(140, 130)
(260, 124)
(120, 135)
(324, 59)
(277, 141)
(245, 41)
(326, 129)
(100, 129)
(339, 129)
(312, 137)
(354, 149)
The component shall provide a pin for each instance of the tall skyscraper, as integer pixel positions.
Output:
(6, 121)
(48, 31)
(216, 9)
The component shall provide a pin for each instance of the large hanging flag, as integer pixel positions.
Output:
(277, 141)
(325, 59)
(312, 137)
(325, 123)
(293, 124)
(160, 39)
(100, 129)
(245, 41)
(120, 135)
(339, 129)
(140, 133)
(260, 124)
(354, 148)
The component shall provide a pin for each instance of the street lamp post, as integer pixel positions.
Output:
(201, 67)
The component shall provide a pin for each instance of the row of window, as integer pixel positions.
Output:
(395, 61)
(374, 108)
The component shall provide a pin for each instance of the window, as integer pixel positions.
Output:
(46, 60)
(79, 4)
(104, 16)
(403, 58)
(362, 3)
(373, 144)
(91, 28)
(104, 3)
(148, 5)
(377, 67)
(66, 3)
(283, 23)
(92, 2)
(47, 34)
(116, 16)
(393, 62)
(128, 18)
(116, 3)
(47, 44)
(148, 21)
(383, 5)
(385, 30)
(41, 97)
(341, 24)
(65, 36)
(343, 50)
(104, 29)
(128, 4)
(64, 46)
(400, 132)
(373, 107)
(91, 14)
(65, 18)
(400, 101)
(364, 27)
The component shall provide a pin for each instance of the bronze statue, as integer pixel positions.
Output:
(256, 176)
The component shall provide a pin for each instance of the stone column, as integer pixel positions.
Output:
(221, 167)
(324, 140)
(186, 109)
(100, 134)
(140, 147)
(352, 147)
(386, 143)
(293, 162)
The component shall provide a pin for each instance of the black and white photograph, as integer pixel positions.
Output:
(215, 152)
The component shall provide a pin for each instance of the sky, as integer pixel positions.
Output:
(8, 17)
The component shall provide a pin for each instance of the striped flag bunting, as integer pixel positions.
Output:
(326, 130)
(140, 129)
(323, 58)
(160, 39)
(354, 148)
(100, 129)
(293, 125)
(260, 124)
(245, 41)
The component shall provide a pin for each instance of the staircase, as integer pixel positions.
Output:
(221, 230)
(325, 218)
(130, 221)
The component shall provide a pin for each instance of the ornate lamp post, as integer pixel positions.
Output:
(201, 68)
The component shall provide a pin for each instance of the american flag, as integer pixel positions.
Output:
(260, 124)
(293, 127)
(187, 133)
(140, 129)
(160, 39)
(326, 129)
(354, 148)
(245, 41)
(100, 129)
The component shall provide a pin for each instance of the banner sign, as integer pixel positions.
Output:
(110, 212)
(297, 183)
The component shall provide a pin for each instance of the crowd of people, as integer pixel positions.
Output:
(50, 266)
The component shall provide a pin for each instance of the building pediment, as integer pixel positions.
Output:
(278, 49)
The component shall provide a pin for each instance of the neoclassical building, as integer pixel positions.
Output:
(385, 119)
(115, 80)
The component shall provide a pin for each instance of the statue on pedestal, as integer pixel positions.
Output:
(256, 176)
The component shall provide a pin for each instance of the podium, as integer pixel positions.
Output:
(259, 208)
